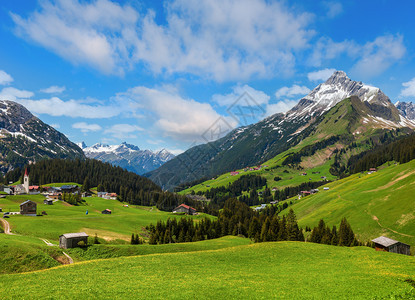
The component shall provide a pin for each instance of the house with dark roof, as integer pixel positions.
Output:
(72, 240)
(73, 189)
(383, 243)
(183, 208)
(28, 208)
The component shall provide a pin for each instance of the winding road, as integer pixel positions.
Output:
(6, 226)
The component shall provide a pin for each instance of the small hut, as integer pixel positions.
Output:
(28, 208)
(106, 211)
(383, 243)
(71, 240)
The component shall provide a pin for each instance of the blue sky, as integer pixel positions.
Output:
(176, 73)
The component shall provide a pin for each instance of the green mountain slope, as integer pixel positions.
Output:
(257, 143)
(347, 129)
(380, 203)
(283, 270)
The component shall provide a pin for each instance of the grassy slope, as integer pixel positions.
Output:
(62, 218)
(111, 251)
(23, 254)
(283, 270)
(381, 203)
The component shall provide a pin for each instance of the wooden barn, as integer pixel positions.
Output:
(28, 208)
(386, 244)
(106, 211)
(183, 208)
(71, 240)
(48, 201)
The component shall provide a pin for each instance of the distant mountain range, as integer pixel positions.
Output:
(128, 156)
(24, 138)
(369, 110)
(407, 109)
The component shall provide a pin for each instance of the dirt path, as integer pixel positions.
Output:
(48, 243)
(391, 183)
(6, 226)
(394, 231)
(70, 258)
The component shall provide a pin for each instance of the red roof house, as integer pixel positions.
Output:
(183, 208)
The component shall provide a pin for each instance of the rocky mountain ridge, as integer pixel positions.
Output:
(25, 138)
(407, 109)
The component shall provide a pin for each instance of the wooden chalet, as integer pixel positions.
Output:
(183, 208)
(71, 240)
(28, 208)
(106, 211)
(383, 243)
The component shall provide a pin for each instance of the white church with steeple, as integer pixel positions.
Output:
(26, 181)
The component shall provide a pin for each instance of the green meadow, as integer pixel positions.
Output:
(63, 218)
(282, 270)
(381, 203)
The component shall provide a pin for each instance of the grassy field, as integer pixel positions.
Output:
(381, 203)
(63, 218)
(283, 270)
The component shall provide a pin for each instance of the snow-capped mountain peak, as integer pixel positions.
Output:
(128, 156)
(335, 89)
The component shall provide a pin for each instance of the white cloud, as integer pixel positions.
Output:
(11, 93)
(219, 39)
(54, 89)
(237, 91)
(185, 120)
(409, 88)
(5, 78)
(280, 107)
(370, 59)
(326, 49)
(123, 131)
(96, 34)
(321, 75)
(85, 127)
(333, 9)
(71, 108)
(379, 55)
(292, 91)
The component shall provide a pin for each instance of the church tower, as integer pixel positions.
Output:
(26, 181)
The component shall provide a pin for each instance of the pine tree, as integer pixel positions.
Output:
(86, 185)
(346, 235)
